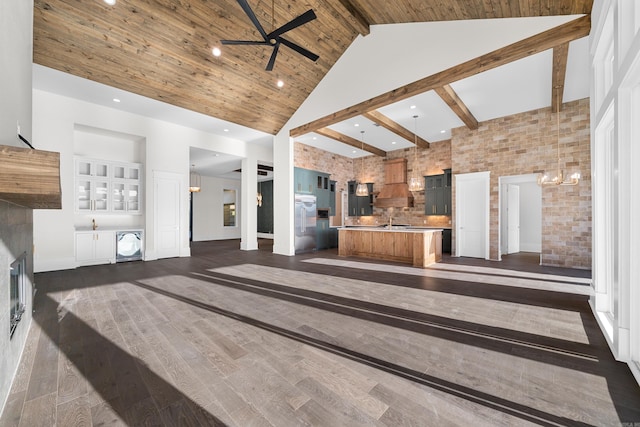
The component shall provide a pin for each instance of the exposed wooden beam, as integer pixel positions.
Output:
(346, 139)
(451, 98)
(352, 15)
(387, 123)
(535, 44)
(560, 54)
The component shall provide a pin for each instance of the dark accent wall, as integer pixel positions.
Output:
(265, 212)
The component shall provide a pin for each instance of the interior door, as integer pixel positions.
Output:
(167, 214)
(472, 215)
(513, 219)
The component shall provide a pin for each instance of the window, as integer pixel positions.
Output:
(17, 273)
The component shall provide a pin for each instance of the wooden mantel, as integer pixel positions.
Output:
(30, 178)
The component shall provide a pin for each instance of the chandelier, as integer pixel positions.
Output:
(416, 183)
(544, 179)
(361, 188)
(194, 181)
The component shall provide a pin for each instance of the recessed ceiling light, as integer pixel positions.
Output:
(354, 151)
(110, 2)
(315, 137)
(216, 51)
(413, 107)
(116, 100)
(226, 130)
(393, 143)
(442, 131)
(280, 83)
(357, 124)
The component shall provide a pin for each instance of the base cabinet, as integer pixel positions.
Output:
(95, 247)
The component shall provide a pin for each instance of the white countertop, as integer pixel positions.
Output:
(397, 230)
(114, 228)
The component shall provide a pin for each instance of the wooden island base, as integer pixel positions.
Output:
(418, 247)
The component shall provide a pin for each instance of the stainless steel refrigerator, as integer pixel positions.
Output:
(305, 223)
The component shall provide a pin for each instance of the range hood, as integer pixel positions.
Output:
(395, 191)
(30, 178)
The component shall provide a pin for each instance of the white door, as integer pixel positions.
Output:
(472, 215)
(167, 192)
(513, 219)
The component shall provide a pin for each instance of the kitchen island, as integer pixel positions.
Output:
(419, 247)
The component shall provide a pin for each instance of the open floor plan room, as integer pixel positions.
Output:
(251, 338)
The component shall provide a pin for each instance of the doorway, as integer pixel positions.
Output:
(520, 220)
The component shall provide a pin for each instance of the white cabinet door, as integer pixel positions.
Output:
(105, 246)
(95, 247)
(85, 247)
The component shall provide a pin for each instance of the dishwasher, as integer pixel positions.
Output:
(129, 245)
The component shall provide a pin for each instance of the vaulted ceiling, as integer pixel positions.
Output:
(161, 49)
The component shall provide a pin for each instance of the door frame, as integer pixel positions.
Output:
(485, 178)
(502, 182)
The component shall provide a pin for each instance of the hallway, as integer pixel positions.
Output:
(230, 337)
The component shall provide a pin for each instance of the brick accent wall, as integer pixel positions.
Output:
(526, 143)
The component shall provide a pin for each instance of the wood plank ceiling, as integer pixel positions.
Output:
(161, 49)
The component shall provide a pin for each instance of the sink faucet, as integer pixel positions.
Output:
(93, 223)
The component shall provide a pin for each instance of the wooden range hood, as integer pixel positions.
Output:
(395, 191)
(30, 178)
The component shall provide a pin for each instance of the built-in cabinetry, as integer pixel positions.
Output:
(437, 194)
(360, 205)
(107, 186)
(446, 241)
(332, 198)
(95, 247)
(317, 183)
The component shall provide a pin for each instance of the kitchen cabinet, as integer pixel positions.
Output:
(446, 241)
(313, 182)
(303, 179)
(322, 234)
(107, 186)
(332, 198)
(437, 194)
(360, 205)
(322, 191)
(95, 247)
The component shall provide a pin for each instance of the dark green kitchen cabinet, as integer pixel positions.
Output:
(308, 181)
(437, 194)
(303, 181)
(322, 191)
(332, 198)
(360, 205)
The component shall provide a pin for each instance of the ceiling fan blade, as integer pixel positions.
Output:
(247, 9)
(272, 60)
(244, 42)
(309, 15)
(312, 56)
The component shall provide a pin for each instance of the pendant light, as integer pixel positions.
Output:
(416, 183)
(362, 189)
(543, 179)
(194, 181)
(259, 195)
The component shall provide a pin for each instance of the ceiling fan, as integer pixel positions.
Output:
(274, 38)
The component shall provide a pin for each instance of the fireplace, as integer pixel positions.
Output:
(18, 289)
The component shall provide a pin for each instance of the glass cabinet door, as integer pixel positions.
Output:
(118, 203)
(133, 198)
(83, 195)
(101, 196)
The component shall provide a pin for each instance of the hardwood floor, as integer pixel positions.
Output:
(237, 338)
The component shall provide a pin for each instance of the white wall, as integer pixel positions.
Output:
(57, 119)
(16, 229)
(615, 153)
(530, 217)
(208, 210)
